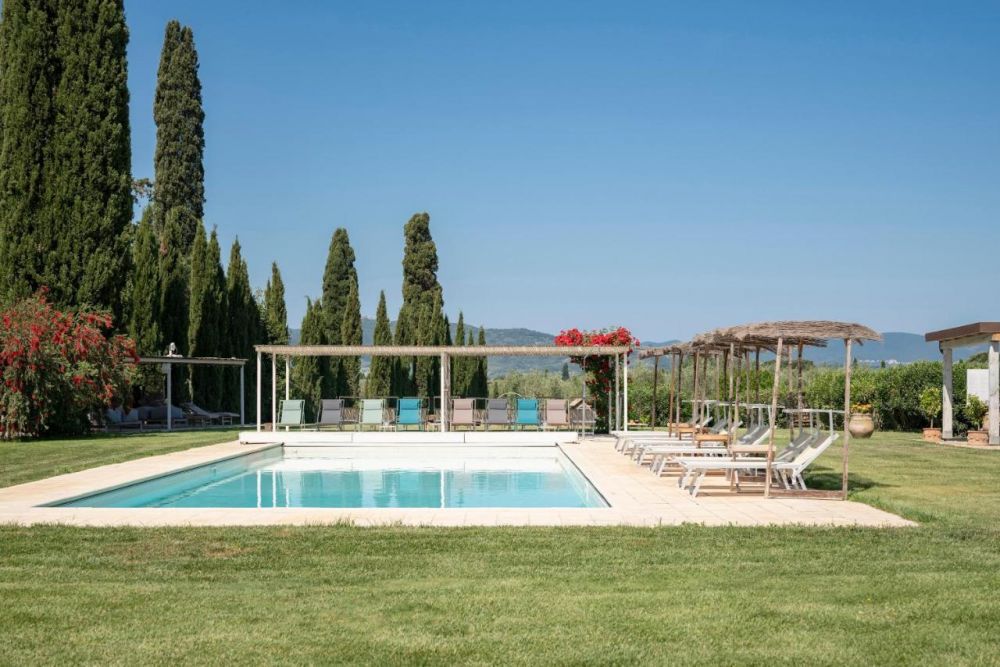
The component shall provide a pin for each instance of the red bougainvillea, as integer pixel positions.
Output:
(600, 370)
(56, 367)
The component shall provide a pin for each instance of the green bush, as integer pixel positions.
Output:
(930, 403)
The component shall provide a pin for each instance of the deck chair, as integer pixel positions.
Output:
(331, 413)
(497, 413)
(556, 414)
(198, 412)
(291, 413)
(527, 413)
(372, 413)
(463, 412)
(409, 412)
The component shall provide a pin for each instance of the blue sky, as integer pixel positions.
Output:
(668, 167)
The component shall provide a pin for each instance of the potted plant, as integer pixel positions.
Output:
(861, 425)
(863, 388)
(930, 405)
(976, 411)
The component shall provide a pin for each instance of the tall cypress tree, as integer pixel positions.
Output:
(197, 290)
(89, 188)
(244, 322)
(350, 334)
(379, 383)
(459, 384)
(65, 155)
(482, 374)
(423, 302)
(28, 75)
(275, 326)
(307, 374)
(214, 317)
(180, 137)
(206, 316)
(338, 275)
(144, 294)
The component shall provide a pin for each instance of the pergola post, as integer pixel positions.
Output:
(625, 396)
(695, 405)
(259, 355)
(288, 377)
(847, 414)
(617, 408)
(656, 376)
(170, 407)
(994, 385)
(774, 418)
(243, 396)
(274, 392)
(445, 389)
(947, 408)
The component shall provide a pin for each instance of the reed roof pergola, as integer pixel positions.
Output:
(774, 337)
(444, 352)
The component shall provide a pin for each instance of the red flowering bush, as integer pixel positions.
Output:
(56, 367)
(601, 370)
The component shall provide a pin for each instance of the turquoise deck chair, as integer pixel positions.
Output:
(292, 413)
(409, 412)
(372, 412)
(527, 412)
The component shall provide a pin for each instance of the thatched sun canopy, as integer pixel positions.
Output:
(663, 351)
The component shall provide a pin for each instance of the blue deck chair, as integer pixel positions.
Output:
(527, 413)
(372, 413)
(291, 413)
(409, 412)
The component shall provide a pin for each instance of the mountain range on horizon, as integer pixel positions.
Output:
(895, 347)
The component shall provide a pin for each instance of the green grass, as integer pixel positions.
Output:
(682, 595)
(25, 461)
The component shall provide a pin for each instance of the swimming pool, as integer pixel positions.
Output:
(357, 476)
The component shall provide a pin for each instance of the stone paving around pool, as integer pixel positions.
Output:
(636, 496)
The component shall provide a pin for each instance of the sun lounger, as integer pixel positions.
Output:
(372, 413)
(200, 413)
(291, 413)
(497, 413)
(788, 471)
(409, 412)
(526, 413)
(331, 413)
(556, 414)
(463, 412)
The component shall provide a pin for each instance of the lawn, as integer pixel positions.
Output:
(680, 595)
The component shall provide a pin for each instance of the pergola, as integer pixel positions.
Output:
(445, 353)
(977, 333)
(168, 363)
(780, 338)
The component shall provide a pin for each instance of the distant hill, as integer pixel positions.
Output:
(896, 347)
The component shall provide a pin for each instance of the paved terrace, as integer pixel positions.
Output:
(637, 498)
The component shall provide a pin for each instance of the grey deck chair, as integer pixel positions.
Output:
(556, 414)
(497, 413)
(331, 413)
(463, 412)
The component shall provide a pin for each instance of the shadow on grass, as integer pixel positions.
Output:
(830, 480)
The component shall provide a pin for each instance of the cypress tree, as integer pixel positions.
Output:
(307, 374)
(403, 367)
(180, 136)
(379, 381)
(350, 334)
(144, 294)
(214, 318)
(173, 301)
(338, 275)
(459, 384)
(28, 75)
(197, 289)
(89, 189)
(245, 325)
(275, 328)
(423, 303)
(482, 376)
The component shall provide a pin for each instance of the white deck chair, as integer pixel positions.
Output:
(642, 447)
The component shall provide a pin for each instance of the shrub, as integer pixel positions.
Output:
(56, 367)
(975, 411)
(930, 403)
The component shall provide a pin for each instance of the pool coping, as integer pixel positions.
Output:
(635, 498)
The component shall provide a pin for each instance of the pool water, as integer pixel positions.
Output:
(412, 476)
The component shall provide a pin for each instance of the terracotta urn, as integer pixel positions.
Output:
(932, 434)
(861, 426)
(979, 437)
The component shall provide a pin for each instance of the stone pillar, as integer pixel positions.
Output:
(947, 409)
(994, 384)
